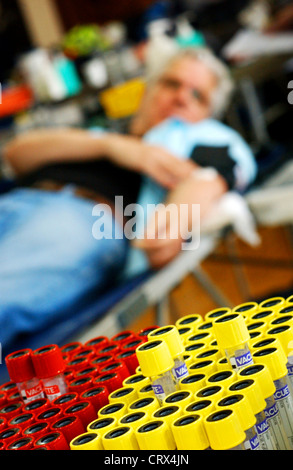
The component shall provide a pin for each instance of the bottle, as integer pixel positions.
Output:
(232, 337)
(251, 389)
(240, 403)
(49, 366)
(261, 373)
(21, 371)
(157, 363)
(189, 433)
(224, 430)
(274, 358)
(171, 336)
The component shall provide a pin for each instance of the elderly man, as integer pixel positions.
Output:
(49, 259)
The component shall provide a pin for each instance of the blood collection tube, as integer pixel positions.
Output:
(192, 320)
(37, 406)
(129, 358)
(127, 394)
(240, 403)
(193, 382)
(223, 377)
(71, 348)
(98, 396)
(157, 363)
(167, 413)
(50, 415)
(155, 435)
(180, 398)
(216, 313)
(10, 434)
(102, 425)
(22, 443)
(11, 410)
(36, 429)
(146, 404)
(80, 384)
(115, 410)
(284, 333)
(120, 438)
(232, 337)
(70, 426)
(84, 410)
(247, 308)
(273, 303)
(137, 381)
(118, 367)
(123, 337)
(22, 420)
(49, 366)
(171, 336)
(224, 430)
(65, 400)
(261, 373)
(87, 441)
(189, 433)
(3, 399)
(54, 440)
(251, 389)
(274, 358)
(111, 381)
(21, 371)
(98, 342)
(202, 407)
(134, 419)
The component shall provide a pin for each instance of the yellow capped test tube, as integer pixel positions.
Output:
(87, 441)
(171, 336)
(120, 438)
(155, 435)
(189, 433)
(224, 430)
(192, 320)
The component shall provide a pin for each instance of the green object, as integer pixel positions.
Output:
(85, 39)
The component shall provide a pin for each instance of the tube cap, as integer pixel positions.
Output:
(261, 373)
(240, 403)
(171, 335)
(274, 359)
(134, 419)
(87, 441)
(22, 443)
(192, 320)
(84, 410)
(213, 392)
(247, 308)
(70, 426)
(154, 358)
(102, 425)
(251, 389)
(216, 313)
(167, 413)
(193, 382)
(155, 435)
(127, 394)
(223, 429)
(116, 410)
(147, 404)
(273, 303)
(285, 335)
(223, 377)
(48, 361)
(20, 366)
(120, 438)
(181, 398)
(230, 331)
(201, 407)
(189, 433)
(53, 440)
(137, 381)
(98, 396)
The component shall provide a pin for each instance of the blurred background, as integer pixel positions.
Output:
(83, 62)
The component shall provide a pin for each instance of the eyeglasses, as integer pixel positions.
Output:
(175, 85)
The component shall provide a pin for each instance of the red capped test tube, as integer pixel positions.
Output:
(21, 371)
(49, 366)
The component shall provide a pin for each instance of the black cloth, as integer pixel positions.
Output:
(100, 176)
(218, 158)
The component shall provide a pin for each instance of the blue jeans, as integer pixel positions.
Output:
(49, 259)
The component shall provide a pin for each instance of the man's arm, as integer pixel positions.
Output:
(204, 191)
(30, 151)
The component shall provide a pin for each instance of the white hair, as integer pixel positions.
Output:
(222, 94)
